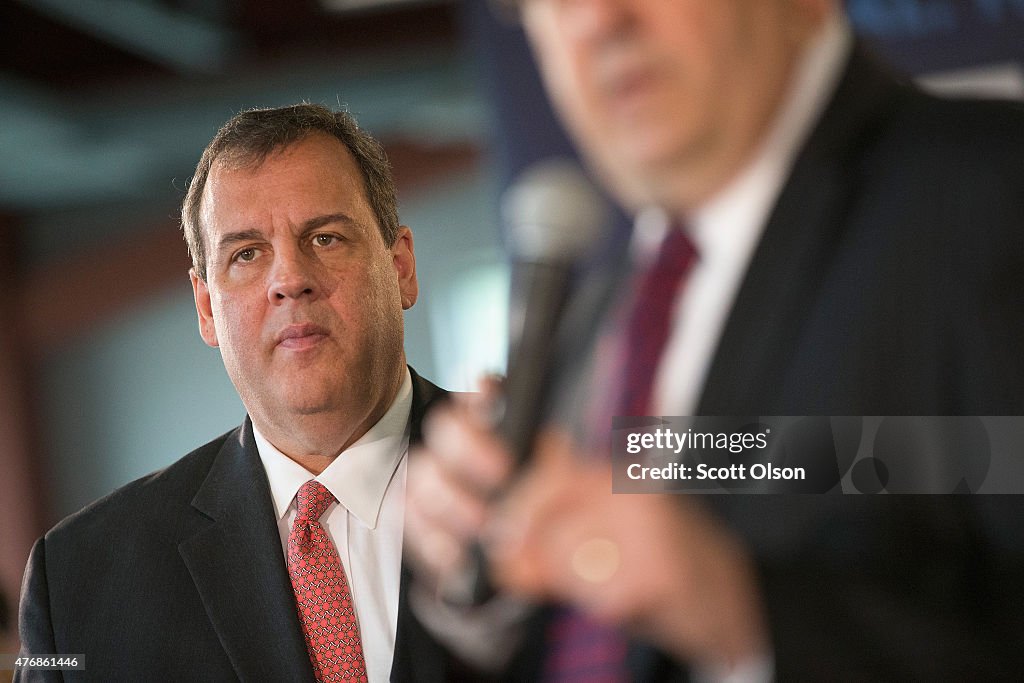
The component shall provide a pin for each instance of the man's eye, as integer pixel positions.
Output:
(245, 255)
(325, 240)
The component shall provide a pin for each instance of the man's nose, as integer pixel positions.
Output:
(292, 277)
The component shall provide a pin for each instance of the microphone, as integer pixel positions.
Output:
(554, 217)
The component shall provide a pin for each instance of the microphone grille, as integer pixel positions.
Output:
(553, 213)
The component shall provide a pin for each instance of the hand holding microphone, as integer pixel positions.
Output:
(658, 565)
(553, 218)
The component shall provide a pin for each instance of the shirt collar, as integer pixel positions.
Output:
(359, 476)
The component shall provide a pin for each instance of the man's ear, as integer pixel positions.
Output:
(201, 292)
(404, 259)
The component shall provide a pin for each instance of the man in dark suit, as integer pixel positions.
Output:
(221, 566)
(841, 244)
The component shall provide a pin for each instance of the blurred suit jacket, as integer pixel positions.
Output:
(888, 281)
(179, 576)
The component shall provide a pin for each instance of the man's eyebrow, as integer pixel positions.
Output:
(236, 237)
(327, 219)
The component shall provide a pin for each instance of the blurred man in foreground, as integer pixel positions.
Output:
(272, 553)
(815, 237)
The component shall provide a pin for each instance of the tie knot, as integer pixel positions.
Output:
(677, 251)
(312, 500)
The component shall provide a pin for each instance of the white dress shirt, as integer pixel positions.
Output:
(728, 227)
(365, 525)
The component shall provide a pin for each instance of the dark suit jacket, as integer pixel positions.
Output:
(888, 281)
(179, 576)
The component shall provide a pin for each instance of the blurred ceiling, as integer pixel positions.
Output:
(105, 105)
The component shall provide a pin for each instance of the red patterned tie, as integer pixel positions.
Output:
(324, 601)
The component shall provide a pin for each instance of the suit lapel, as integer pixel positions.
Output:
(802, 236)
(418, 657)
(424, 395)
(238, 568)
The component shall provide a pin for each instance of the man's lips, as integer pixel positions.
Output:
(627, 75)
(301, 336)
(630, 88)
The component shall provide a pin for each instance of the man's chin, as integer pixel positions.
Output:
(307, 408)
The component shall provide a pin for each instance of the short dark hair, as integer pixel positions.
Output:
(249, 137)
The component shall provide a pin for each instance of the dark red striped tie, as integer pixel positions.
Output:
(649, 321)
(582, 650)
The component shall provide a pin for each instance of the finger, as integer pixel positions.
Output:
(440, 520)
(564, 535)
(436, 499)
(479, 405)
(490, 387)
(467, 450)
(530, 525)
(431, 550)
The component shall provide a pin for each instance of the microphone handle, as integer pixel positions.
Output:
(525, 391)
